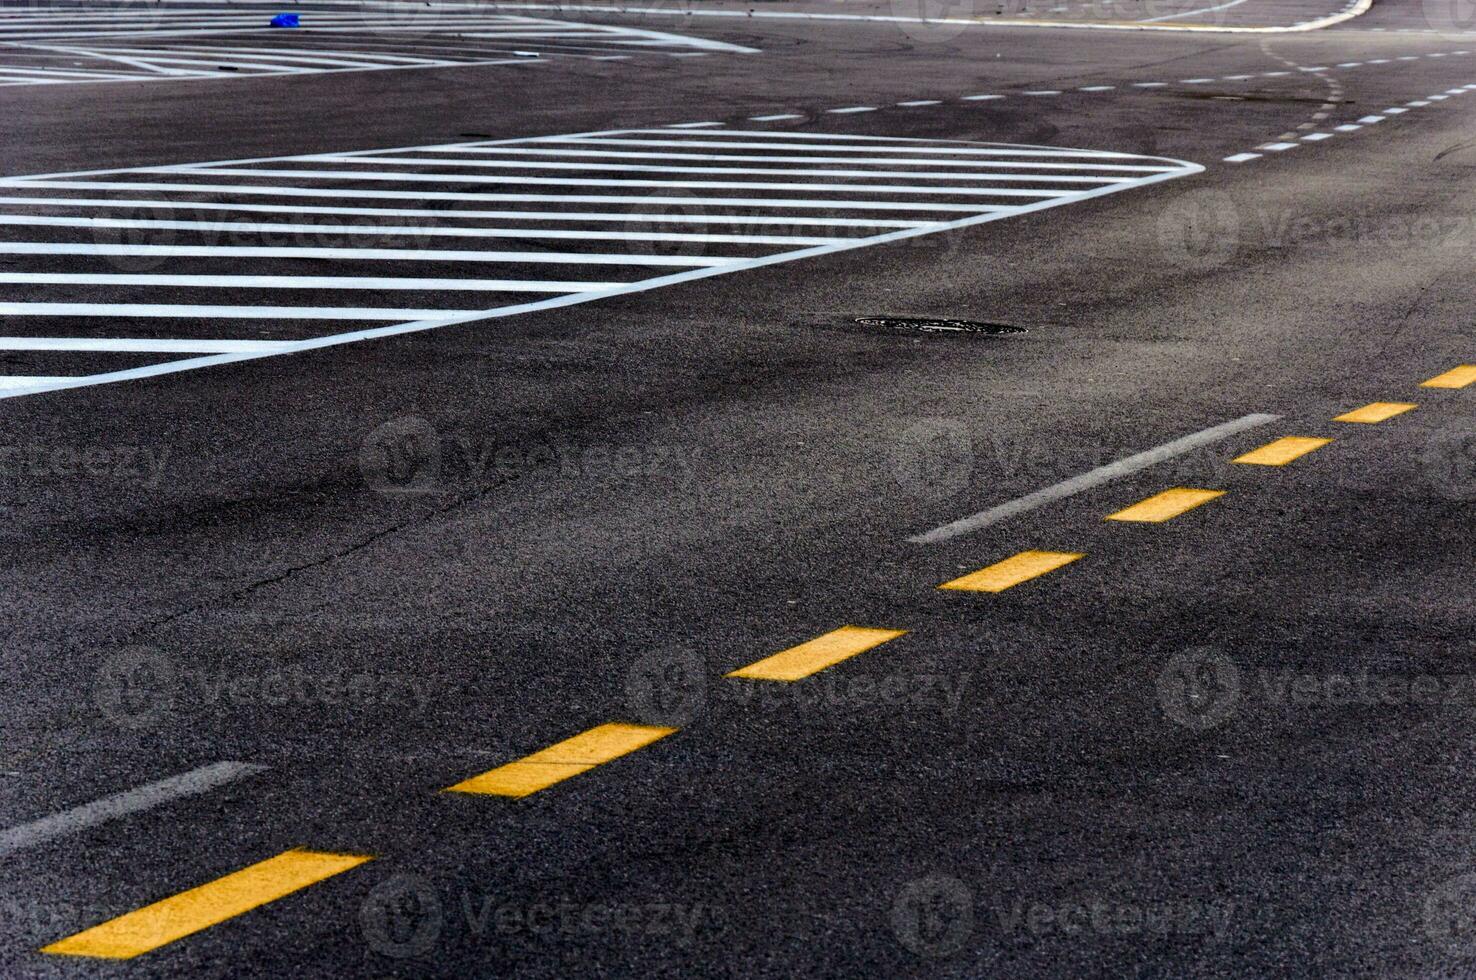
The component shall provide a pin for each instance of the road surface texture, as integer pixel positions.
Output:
(738, 490)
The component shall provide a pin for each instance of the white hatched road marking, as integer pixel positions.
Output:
(111, 263)
(44, 46)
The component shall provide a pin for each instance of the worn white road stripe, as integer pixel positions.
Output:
(1090, 479)
(146, 797)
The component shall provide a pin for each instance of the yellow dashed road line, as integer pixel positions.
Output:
(559, 762)
(815, 655)
(1376, 412)
(1012, 571)
(199, 908)
(1165, 506)
(1282, 451)
(1454, 378)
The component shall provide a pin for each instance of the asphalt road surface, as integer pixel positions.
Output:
(743, 490)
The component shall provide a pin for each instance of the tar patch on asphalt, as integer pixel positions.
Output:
(943, 326)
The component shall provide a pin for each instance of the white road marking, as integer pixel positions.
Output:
(1316, 137)
(189, 312)
(364, 254)
(854, 108)
(1090, 479)
(175, 50)
(1348, 127)
(132, 801)
(185, 281)
(775, 118)
(469, 213)
(1279, 147)
(921, 102)
(269, 227)
(1242, 157)
(144, 345)
(951, 183)
(981, 98)
(1367, 120)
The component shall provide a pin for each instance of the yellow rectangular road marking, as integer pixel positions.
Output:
(1375, 412)
(1165, 506)
(1282, 451)
(1012, 571)
(1455, 378)
(815, 655)
(558, 762)
(200, 908)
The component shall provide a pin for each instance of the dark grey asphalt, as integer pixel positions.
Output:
(640, 494)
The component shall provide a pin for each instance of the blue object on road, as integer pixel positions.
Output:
(285, 20)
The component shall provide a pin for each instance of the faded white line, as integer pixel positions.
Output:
(1091, 479)
(146, 797)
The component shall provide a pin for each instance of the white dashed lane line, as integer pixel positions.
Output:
(1369, 120)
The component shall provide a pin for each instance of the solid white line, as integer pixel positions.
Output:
(356, 254)
(972, 149)
(595, 216)
(744, 202)
(183, 311)
(144, 345)
(1090, 479)
(300, 282)
(501, 181)
(600, 166)
(257, 228)
(521, 155)
(145, 797)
